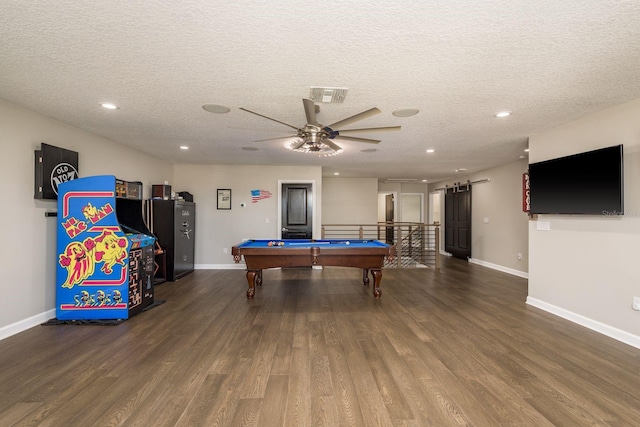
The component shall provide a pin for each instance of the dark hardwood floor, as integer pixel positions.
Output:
(449, 348)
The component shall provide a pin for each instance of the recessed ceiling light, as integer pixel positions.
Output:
(526, 150)
(336, 173)
(461, 170)
(215, 108)
(406, 112)
(184, 147)
(368, 150)
(503, 114)
(109, 106)
(250, 148)
(424, 180)
(430, 150)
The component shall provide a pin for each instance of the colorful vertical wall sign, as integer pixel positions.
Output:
(526, 193)
(92, 252)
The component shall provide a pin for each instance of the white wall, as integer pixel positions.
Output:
(217, 230)
(499, 228)
(412, 205)
(585, 268)
(29, 250)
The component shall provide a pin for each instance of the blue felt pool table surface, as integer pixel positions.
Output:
(263, 253)
(308, 243)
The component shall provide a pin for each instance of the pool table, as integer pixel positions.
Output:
(365, 254)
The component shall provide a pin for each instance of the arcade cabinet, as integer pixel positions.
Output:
(105, 252)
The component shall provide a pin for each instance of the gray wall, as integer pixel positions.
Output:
(585, 268)
(350, 200)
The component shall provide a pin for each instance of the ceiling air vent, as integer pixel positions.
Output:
(328, 94)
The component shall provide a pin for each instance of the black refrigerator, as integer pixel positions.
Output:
(173, 223)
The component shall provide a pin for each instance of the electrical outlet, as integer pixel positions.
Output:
(519, 257)
(225, 250)
(636, 303)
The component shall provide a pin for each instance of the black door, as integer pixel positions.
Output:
(389, 216)
(297, 210)
(457, 223)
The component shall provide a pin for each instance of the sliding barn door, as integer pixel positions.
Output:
(457, 223)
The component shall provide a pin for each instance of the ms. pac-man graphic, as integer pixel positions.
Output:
(93, 252)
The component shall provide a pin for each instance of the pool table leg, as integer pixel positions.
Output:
(377, 278)
(251, 280)
(365, 276)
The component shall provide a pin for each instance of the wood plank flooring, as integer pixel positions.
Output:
(458, 347)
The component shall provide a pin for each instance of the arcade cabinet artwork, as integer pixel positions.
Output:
(105, 252)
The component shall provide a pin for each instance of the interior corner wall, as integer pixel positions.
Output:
(585, 267)
(218, 230)
(29, 255)
(499, 227)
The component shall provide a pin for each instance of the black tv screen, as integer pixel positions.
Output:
(588, 183)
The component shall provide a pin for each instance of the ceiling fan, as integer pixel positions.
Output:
(318, 138)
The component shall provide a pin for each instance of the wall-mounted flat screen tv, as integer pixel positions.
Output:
(589, 183)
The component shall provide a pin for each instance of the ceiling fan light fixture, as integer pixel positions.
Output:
(320, 149)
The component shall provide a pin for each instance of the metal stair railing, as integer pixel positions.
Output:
(417, 244)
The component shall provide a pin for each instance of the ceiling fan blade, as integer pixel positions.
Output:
(310, 112)
(353, 138)
(269, 118)
(330, 143)
(259, 130)
(273, 139)
(382, 129)
(360, 116)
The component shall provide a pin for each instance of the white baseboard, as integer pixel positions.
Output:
(513, 271)
(23, 325)
(610, 331)
(240, 266)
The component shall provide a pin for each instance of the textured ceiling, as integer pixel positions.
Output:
(459, 63)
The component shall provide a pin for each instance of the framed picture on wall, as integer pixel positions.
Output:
(224, 198)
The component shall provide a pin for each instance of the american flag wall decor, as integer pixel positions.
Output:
(257, 195)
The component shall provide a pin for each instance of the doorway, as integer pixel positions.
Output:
(435, 215)
(457, 223)
(296, 216)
